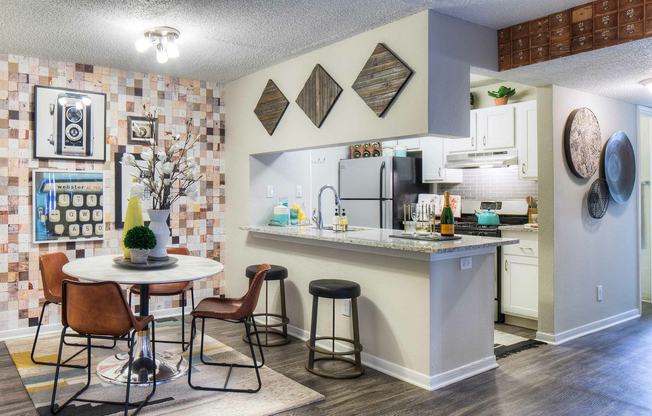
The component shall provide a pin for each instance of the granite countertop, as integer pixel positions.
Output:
(380, 238)
(521, 228)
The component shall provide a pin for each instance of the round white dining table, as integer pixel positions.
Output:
(169, 366)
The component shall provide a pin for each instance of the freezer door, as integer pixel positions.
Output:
(360, 178)
(366, 213)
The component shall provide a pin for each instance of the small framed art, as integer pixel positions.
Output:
(140, 131)
(68, 206)
(69, 124)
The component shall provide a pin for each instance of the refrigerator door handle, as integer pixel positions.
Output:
(382, 168)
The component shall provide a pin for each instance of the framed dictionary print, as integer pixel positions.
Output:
(68, 206)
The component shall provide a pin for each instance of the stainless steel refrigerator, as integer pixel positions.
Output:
(374, 190)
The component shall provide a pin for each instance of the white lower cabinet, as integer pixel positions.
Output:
(520, 276)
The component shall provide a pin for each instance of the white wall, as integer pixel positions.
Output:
(646, 195)
(283, 171)
(325, 167)
(590, 252)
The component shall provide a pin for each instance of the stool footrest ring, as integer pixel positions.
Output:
(284, 321)
(336, 353)
(332, 375)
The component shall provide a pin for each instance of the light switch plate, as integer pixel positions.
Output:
(600, 293)
(299, 192)
(270, 191)
(346, 307)
(466, 263)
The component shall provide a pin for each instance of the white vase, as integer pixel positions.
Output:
(158, 225)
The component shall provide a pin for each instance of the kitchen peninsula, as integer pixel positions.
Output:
(423, 318)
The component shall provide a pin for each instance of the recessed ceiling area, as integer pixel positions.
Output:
(226, 39)
(613, 72)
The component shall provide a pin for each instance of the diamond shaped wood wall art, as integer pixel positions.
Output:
(382, 79)
(271, 107)
(318, 95)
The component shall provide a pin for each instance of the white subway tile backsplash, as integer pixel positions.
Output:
(501, 183)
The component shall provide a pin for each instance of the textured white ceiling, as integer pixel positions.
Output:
(481, 80)
(610, 72)
(222, 40)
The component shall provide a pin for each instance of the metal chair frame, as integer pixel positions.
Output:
(231, 366)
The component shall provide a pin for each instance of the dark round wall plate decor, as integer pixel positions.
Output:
(620, 167)
(582, 143)
(598, 199)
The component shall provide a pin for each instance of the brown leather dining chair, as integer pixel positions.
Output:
(100, 311)
(53, 276)
(235, 311)
(172, 289)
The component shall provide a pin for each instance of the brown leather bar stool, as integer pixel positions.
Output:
(53, 276)
(99, 311)
(279, 273)
(235, 311)
(334, 289)
(172, 289)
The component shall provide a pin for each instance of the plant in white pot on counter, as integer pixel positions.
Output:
(139, 240)
(168, 175)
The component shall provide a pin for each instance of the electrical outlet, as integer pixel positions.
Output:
(600, 293)
(466, 263)
(299, 192)
(270, 191)
(346, 307)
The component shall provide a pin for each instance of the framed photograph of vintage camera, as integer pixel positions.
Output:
(68, 206)
(140, 131)
(69, 124)
(124, 178)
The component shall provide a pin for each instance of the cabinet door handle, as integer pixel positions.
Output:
(472, 141)
(484, 140)
(440, 172)
(505, 265)
(523, 168)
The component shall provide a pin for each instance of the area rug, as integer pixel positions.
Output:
(506, 344)
(278, 393)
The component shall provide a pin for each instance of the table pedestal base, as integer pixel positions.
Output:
(169, 366)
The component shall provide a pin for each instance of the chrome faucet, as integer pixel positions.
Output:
(320, 223)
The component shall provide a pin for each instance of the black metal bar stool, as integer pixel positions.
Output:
(279, 273)
(334, 289)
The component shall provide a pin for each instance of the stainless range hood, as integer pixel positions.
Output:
(497, 159)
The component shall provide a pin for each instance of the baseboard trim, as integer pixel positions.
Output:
(571, 334)
(402, 373)
(54, 328)
(463, 372)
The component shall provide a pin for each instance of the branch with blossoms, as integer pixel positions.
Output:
(166, 167)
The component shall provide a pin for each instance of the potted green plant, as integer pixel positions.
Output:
(472, 101)
(139, 240)
(502, 95)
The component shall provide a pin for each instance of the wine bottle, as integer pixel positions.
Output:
(447, 219)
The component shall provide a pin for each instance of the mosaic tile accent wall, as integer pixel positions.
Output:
(492, 184)
(198, 225)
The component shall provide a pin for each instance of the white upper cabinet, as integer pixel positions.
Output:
(468, 144)
(433, 159)
(497, 127)
(411, 144)
(527, 140)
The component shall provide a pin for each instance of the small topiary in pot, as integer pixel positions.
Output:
(139, 240)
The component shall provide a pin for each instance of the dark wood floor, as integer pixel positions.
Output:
(607, 373)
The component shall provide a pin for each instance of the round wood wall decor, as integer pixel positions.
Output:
(583, 143)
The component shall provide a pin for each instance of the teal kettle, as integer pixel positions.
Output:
(488, 217)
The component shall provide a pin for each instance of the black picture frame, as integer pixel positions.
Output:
(50, 144)
(140, 140)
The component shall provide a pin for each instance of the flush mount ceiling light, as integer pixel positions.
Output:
(163, 39)
(647, 83)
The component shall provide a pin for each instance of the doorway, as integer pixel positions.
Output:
(645, 140)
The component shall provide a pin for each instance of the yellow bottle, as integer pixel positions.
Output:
(133, 218)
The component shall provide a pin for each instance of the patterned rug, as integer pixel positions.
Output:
(506, 344)
(278, 393)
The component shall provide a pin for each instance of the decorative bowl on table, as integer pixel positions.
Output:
(149, 264)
